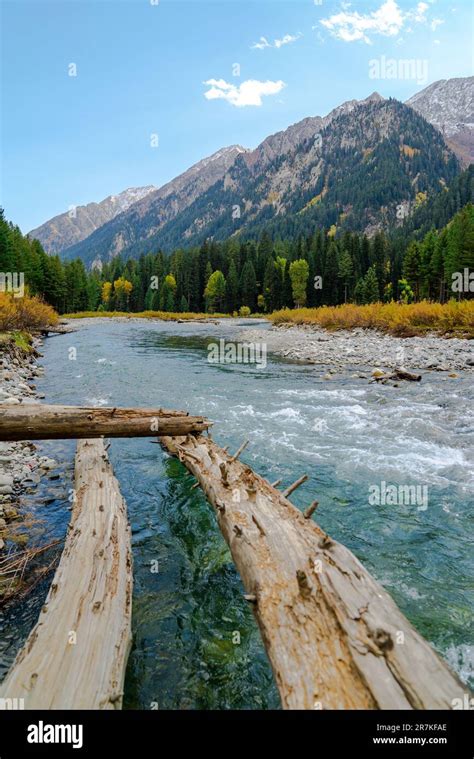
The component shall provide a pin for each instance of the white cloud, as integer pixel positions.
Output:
(351, 26)
(388, 20)
(263, 42)
(247, 93)
(435, 23)
(418, 14)
(286, 39)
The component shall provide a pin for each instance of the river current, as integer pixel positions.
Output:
(195, 642)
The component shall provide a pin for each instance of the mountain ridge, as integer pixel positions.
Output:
(79, 222)
(185, 209)
(448, 105)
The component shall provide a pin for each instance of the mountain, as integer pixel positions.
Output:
(78, 223)
(449, 106)
(147, 216)
(354, 169)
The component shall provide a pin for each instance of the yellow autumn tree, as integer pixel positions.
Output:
(106, 292)
(122, 290)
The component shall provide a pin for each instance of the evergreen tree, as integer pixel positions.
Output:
(232, 288)
(412, 267)
(371, 286)
(345, 271)
(270, 286)
(248, 287)
(331, 273)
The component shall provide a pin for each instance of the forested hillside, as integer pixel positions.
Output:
(357, 169)
(324, 268)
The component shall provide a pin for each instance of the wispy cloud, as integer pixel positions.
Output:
(248, 93)
(286, 40)
(388, 21)
(261, 44)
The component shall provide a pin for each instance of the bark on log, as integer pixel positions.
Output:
(43, 422)
(75, 656)
(334, 637)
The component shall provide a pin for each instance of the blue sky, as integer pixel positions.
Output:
(141, 70)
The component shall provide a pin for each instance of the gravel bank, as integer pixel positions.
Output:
(21, 465)
(367, 348)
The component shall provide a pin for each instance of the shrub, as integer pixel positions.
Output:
(402, 319)
(29, 313)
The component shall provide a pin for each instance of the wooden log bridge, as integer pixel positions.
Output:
(334, 637)
(42, 422)
(75, 656)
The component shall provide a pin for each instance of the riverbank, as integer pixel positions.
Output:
(165, 316)
(343, 349)
(452, 319)
(21, 464)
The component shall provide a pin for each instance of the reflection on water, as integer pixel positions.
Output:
(196, 644)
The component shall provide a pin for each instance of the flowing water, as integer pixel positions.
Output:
(195, 643)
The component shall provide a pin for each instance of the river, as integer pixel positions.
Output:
(195, 643)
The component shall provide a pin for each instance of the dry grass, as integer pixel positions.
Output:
(26, 313)
(403, 320)
(19, 574)
(163, 315)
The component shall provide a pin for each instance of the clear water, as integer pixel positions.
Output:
(344, 433)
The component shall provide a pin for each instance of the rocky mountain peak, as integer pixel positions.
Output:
(449, 106)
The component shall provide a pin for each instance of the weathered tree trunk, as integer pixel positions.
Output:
(42, 422)
(334, 637)
(75, 657)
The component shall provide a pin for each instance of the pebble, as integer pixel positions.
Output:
(21, 467)
(366, 348)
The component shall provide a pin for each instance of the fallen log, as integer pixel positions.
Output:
(43, 422)
(333, 635)
(75, 656)
(59, 330)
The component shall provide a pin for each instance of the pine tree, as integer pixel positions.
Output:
(330, 279)
(359, 291)
(270, 286)
(378, 261)
(412, 267)
(6, 257)
(345, 271)
(232, 288)
(248, 287)
(371, 286)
